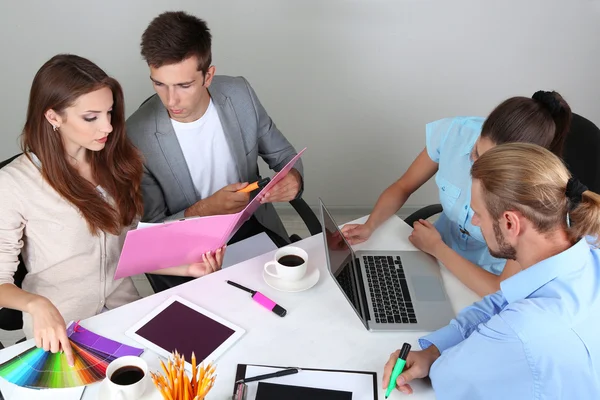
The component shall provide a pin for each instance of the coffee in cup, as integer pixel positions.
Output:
(291, 260)
(290, 264)
(127, 377)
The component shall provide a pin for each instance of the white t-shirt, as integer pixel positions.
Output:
(206, 152)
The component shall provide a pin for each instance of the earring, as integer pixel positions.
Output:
(54, 127)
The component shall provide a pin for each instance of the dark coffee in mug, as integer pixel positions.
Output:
(291, 260)
(127, 375)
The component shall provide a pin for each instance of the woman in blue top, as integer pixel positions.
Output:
(452, 145)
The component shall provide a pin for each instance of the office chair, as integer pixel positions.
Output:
(581, 155)
(302, 208)
(12, 320)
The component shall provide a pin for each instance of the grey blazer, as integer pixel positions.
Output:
(167, 185)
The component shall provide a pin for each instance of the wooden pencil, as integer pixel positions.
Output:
(193, 372)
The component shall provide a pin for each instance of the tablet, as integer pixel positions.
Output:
(179, 325)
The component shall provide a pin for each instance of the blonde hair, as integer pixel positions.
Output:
(527, 178)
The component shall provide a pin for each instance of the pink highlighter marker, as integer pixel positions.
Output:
(262, 299)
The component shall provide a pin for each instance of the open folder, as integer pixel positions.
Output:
(182, 242)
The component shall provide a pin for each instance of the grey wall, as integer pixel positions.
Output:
(354, 81)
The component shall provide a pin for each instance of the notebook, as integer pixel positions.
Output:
(271, 391)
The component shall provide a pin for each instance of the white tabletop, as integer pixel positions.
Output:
(320, 329)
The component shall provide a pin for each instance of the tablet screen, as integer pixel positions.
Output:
(179, 327)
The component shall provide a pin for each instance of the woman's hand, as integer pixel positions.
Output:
(211, 262)
(357, 233)
(49, 328)
(426, 237)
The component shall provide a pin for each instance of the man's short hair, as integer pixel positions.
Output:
(175, 36)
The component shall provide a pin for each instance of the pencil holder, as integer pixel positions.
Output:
(175, 384)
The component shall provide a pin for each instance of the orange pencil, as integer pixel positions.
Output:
(188, 387)
(180, 391)
(193, 372)
(201, 377)
(164, 368)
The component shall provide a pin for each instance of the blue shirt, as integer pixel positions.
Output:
(536, 338)
(449, 143)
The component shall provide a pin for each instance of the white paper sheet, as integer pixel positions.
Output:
(361, 385)
(14, 392)
(249, 248)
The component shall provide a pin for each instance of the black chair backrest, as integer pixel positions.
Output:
(11, 320)
(582, 152)
(6, 162)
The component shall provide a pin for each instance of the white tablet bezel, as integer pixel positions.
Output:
(212, 357)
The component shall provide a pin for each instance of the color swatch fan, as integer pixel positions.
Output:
(36, 368)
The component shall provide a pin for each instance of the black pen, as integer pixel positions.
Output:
(277, 374)
(262, 299)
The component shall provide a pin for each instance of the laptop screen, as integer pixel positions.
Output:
(340, 260)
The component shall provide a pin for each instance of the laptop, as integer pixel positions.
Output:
(388, 290)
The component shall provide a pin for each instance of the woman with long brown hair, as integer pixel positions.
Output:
(68, 201)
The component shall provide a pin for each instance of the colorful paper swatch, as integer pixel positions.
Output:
(36, 368)
(90, 340)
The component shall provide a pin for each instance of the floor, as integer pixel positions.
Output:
(293, 224)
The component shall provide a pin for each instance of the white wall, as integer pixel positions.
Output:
(355, 81)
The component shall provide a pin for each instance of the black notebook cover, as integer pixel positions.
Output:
(272, 391)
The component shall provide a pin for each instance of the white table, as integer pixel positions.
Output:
(320, 329)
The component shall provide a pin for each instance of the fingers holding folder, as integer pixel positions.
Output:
(286, 189)
(211, 262)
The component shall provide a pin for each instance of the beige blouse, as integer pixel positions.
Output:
(65, 262)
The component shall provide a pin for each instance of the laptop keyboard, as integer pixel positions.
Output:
(389, 290)
(345, 281)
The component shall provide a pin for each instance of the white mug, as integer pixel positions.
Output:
(126, 392)
(293, 271)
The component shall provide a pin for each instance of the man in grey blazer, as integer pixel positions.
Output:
(201, 135)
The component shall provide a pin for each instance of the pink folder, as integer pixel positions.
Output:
(182, 242)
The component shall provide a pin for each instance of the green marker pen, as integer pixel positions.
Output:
(400, 362)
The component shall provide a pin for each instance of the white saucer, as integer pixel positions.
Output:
(151, 392)
(310, 279)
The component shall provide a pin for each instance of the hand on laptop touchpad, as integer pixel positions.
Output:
(427, 288)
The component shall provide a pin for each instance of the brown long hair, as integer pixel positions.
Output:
(117, 168)
(543, 119)
(532, 180)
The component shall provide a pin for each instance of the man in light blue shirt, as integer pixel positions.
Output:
(539, 336)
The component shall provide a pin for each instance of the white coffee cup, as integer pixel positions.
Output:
(132, 391)
(289, 264)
